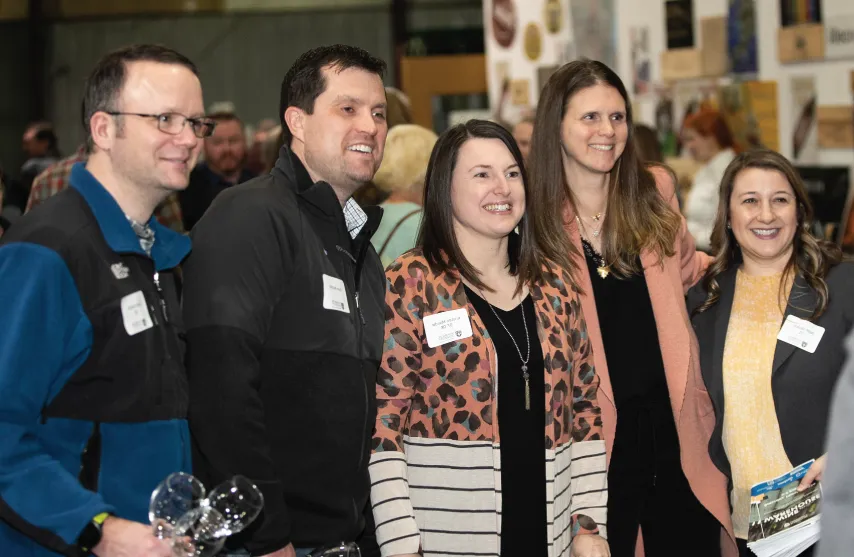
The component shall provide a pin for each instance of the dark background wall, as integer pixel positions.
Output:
(241, 57)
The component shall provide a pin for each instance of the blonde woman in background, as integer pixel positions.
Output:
(401, 176)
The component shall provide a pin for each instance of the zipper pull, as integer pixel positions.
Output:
(160, 295)
(359, 309)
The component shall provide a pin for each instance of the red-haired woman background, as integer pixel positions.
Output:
(709, 141)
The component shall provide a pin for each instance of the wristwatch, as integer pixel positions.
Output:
(91, 534)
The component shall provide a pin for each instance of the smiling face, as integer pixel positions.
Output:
(342, 140)
(764, 219)
(139, 151)
(594, 130)
(487, 191)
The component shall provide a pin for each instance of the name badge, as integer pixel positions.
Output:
(447, 326)
(135, 313)
(335, 294)
(801, 333)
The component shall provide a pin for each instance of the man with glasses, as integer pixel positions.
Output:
(91, 361)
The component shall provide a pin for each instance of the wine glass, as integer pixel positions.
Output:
(341, 549)
(197, 533)
(174, 497)
(238, 500)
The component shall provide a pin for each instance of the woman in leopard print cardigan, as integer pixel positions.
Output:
(438, 484)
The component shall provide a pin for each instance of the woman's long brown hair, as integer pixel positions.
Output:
(637, 216)
(811, 258)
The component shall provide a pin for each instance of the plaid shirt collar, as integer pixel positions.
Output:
(354, 217)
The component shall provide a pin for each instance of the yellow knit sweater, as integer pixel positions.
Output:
(751, 433)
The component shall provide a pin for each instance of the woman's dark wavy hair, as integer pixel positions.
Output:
(812, 258)
(436, 236)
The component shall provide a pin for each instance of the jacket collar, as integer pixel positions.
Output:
(801, 303)
(320, 194)
(169, 249)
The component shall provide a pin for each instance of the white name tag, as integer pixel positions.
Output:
(801, 333)
(447, 326)
(335, 294)
(135, 313)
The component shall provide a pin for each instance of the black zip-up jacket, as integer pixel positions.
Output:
(282, 388)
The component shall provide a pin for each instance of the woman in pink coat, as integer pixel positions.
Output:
(634, 260)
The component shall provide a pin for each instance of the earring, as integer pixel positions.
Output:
(729, 226)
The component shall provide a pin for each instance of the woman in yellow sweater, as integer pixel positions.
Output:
(770, 397)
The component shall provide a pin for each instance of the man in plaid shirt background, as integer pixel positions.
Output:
(55, 179)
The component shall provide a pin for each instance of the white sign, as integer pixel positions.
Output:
(839, 37)
(447, 326)
(335, 294)
(801, 333)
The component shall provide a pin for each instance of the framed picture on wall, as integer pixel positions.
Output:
(798, 12)
(827, 187)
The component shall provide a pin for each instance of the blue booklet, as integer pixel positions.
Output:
(784, 522)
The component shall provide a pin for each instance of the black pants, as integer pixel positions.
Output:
(743, 551)
(647, 488)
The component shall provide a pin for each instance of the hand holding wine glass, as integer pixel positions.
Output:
(173, 498)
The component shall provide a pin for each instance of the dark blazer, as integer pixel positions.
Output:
(802, 383)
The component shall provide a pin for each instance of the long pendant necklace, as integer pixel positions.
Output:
(526, 359)
(601, 269)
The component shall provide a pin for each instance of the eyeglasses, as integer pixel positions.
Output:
(173, 123)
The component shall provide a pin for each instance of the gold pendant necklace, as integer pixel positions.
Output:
(601, 269)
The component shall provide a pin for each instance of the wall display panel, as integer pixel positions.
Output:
(680, 23)
(804, 137)
(743, 42)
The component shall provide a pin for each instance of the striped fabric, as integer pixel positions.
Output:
(453, 490)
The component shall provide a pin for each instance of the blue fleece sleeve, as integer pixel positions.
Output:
(44, 338)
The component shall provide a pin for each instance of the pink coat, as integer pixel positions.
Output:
(692, 407)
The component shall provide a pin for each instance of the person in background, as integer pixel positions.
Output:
(649, 149)
(768, 268)
(55, 179)
(401, 176)
(523, 131)
(92, 344)
(256, 162)
(223, 167)
(399, 113)
(284, 310)
(618, 221)
(511, 307)
(709, 141)
(399, 107)
(39, 145)
(41, 148)
(837, 505)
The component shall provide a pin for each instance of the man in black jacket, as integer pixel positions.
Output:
(284, 302)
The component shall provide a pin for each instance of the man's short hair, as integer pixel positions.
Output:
(107, 79)
(220, 117)
(304, 82)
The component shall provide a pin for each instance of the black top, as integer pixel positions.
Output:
(646, 432)
(205, 185)
(523, 441)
